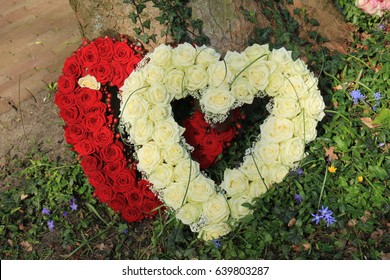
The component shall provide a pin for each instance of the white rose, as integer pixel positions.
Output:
(243, 91)
(162, 176)
(216, 209)
(196, 77)
(149, 157)
(183, 55)
(258, 75)
(153, 74)
(257, 188)
(276, 81)
(189, 213)
(184, 168)
(217, 100)
(292, 151)
(173, 196)
(158, 95)
(134, 107)
(311, 81)
(206, 56)
(161, 56)
(300, 67)
(237, 210)
(134, 83)
(174, 153)
(89, 81)
(219, 74)
(281, 56)
(285, 107)
(253, 168)
(167, 132)
(141, 131)
(157, 113)
(276, 129)
(257, 51)
(277, 172)
(236, 61)
(201, 189)
(235, 182)
(295, 87)
(214, 231)
(305, 127)
(175, 83)
(266, 152)
(314, 105)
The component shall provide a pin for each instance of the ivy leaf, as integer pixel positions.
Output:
(133, 16)
(146, 24)
(383, 118)
(329, 153)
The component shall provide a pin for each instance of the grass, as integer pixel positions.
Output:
(353, 137)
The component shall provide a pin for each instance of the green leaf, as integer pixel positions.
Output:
(377, 172)
(133, 16)
(146, 24)
(383, 118)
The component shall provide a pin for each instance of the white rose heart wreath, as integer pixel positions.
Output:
(168, 74)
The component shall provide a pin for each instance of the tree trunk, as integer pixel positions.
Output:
(223, 20)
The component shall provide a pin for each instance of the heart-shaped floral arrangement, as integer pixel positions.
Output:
(163, 154)
(87, 90)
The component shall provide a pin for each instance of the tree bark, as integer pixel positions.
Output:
(223, 21)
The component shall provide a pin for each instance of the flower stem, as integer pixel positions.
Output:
(322, 188)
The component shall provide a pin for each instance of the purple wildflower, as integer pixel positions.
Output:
(298, 170)
(381, 26)
(316, 218)
(73, 204)
(50, 225)
(356, 96)
(298, 198)
(125, 231)
(45, 211)
(65, 214)
(325, 214)
(377, 96)
(217, 243)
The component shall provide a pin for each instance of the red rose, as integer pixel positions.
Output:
(118, 74)
(94, 122)
(113, 168)
(84, 147)
(122, 52)
(194, 135)
(145, 186)
(66, 84)
(204, 158)
(105, 193)
(89, 55)
(132, 63)
(132, 214)
(150, 207)
(101, 71)
(99, 108)
(87, 97)
(72, 67)
(103, 136)
(75, 133)
(134, 197)
(105, 48)
(118, 203)
(64, 100)
(227, 135)
(125, 180)
(71, 114)
(91, 163)
(111, 153)
(212, 145)
(197, 120)
(98, 179)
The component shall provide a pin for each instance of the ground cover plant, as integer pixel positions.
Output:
(334, 205)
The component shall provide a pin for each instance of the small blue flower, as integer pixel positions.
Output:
(316, 218)
(298, 170)
(382, 27)
(65, 214)
(356, 96)
(298, 198)
(73, 204)
(45, 211)
(125, 231)
(217, 243)
(377, 96)
(50, 225)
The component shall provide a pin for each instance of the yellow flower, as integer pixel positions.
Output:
(360, 179)
(332, 169)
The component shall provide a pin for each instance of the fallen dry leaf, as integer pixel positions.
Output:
(100, 246)
(339, 87)
(377, 235)
(368, 122)
(23, 196)
(292, 222)
(10, 242)
(352, 223)
(26, 245)
(385, 256)
(329, 153)
(366, 216)
(297, 247)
